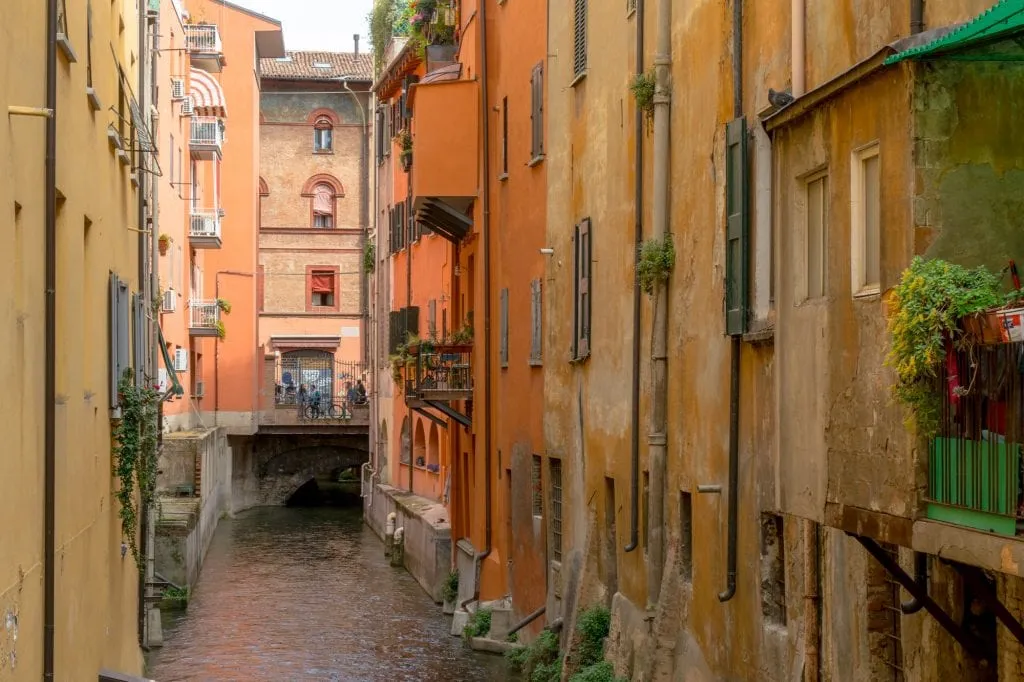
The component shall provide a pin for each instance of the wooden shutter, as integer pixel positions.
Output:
(580, 38)
(395, 330)
(536, 312)
(412, 320)
(503, 301)
(736, 251)
(537, 112)
(583, 293)
(379, 125)
(119, 334)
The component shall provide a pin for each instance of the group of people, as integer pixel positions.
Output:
(354, 394)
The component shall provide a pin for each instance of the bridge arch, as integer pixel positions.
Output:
(285, 464)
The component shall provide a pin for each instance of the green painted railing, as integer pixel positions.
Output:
(974, 483)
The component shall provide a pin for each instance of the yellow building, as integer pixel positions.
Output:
(90, 587)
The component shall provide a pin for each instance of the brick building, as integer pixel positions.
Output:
(313, 207)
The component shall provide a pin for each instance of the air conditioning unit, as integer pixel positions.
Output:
(186, 106)
(170, 302)
(180, 360)
(200, 390)
(177, 88)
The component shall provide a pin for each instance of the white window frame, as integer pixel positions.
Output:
(858, 222)
(803, 293)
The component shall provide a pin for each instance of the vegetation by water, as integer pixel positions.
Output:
(479, 624)
(541, 661)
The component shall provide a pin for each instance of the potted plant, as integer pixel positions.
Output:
(225, 306)
(163, 243)
(405, 141)
(450, 592)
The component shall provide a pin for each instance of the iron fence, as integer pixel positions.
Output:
(319, 382)
(203, 38)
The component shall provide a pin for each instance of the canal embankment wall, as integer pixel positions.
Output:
(193, 491)
(427, 533)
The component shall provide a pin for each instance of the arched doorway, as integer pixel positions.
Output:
(433, 450)
(419, 445)
(405, 456)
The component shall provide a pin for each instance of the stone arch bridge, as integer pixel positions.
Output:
(276, 465)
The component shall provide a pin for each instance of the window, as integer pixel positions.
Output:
(537, 113)
(555, 468)
(581, 345)
(504, 139)
(817, 235)
(536, 313)
(686, 536)
(762, 292)
(503, 322)
(119, 334)
(535, 485)
(323, 133)
(866, 222)
(580, 39)
(322, 288)
(323, 206)
(736, 256)
(432, 318)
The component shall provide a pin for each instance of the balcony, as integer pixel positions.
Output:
(204, 46)
(974, 461)
(204, 319)
(206, 138)
(440, 372)
(445, 163)
(204, 229)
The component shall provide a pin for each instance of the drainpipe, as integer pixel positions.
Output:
(913, 605)
(486, 239)
(638, 225)
(798, 46)
(916, 16)
(734, 373)
(656, 439)
(216, 347)
(50, 344)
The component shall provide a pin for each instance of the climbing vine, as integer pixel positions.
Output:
(369, 255)
(655, 261)
(134, 450)
(642, 86)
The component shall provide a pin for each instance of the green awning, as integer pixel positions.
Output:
(993, 35)
(172, 376)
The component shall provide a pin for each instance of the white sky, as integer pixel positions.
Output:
(326, 25)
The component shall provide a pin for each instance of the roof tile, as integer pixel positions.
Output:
(319, 66)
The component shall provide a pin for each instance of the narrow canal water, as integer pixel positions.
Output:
(306, 594)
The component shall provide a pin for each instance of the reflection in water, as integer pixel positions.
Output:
(305, 594)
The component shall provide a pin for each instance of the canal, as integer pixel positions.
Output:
(306, 594)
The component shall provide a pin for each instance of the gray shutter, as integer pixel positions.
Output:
(139, 338)
(503, 298)
(119, 334)
(537, 112)
(580, 38)
(114, 377)
(432, 318)
(736, 253)
(583, 259)
(535, 322)
(379, 125)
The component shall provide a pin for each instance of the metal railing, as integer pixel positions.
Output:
(203, 38)
(444, 369)
(207, 131)
(204, 224)
(319, 379)
(204, 314)
(974, 461)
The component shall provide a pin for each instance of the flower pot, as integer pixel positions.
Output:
(1002, 325)
(448, 608)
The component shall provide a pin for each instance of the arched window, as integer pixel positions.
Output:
(323, 206)
(323, 136)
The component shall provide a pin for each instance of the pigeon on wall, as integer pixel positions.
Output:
(779, 99)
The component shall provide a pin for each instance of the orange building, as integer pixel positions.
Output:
(465, 276)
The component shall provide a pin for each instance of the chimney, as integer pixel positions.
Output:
(355, 38)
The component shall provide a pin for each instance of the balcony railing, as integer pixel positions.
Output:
(204, 318)
(207, 136)
(203, 39)
(204, 229)
(974, 462)
(442, 372)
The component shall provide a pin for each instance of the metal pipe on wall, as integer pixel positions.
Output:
(916, 16)
(638, 229)
(50, 347)
(734, 372)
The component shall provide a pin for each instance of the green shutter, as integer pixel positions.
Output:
(736, 233)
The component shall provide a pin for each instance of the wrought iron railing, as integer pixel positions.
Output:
(204, 224)
(974, 461)
(319, 380)
(203, 38)
(204, 314)
(443, 371)
(207, 131)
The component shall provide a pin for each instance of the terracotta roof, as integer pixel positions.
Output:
(319, 66)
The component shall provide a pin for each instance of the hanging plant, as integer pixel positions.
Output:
(462, 336)
(926, 308)
(643, 86)
(655, 262)
(369, 257)
(222, 332)
(224, 306)
(135, 440)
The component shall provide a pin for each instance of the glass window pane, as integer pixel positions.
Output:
(872, 223)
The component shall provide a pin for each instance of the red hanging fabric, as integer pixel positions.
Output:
(323, 282)
(323, 200)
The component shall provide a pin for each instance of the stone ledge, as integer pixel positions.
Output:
(432, 512)
(177, 516)
(968, 546)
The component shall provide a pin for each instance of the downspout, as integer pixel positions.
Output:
(916, 16)
(734, 372)
(486, 239)
(638, 225)
(656, 439)
(799, 47)
(50, 344)
(913, 605)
